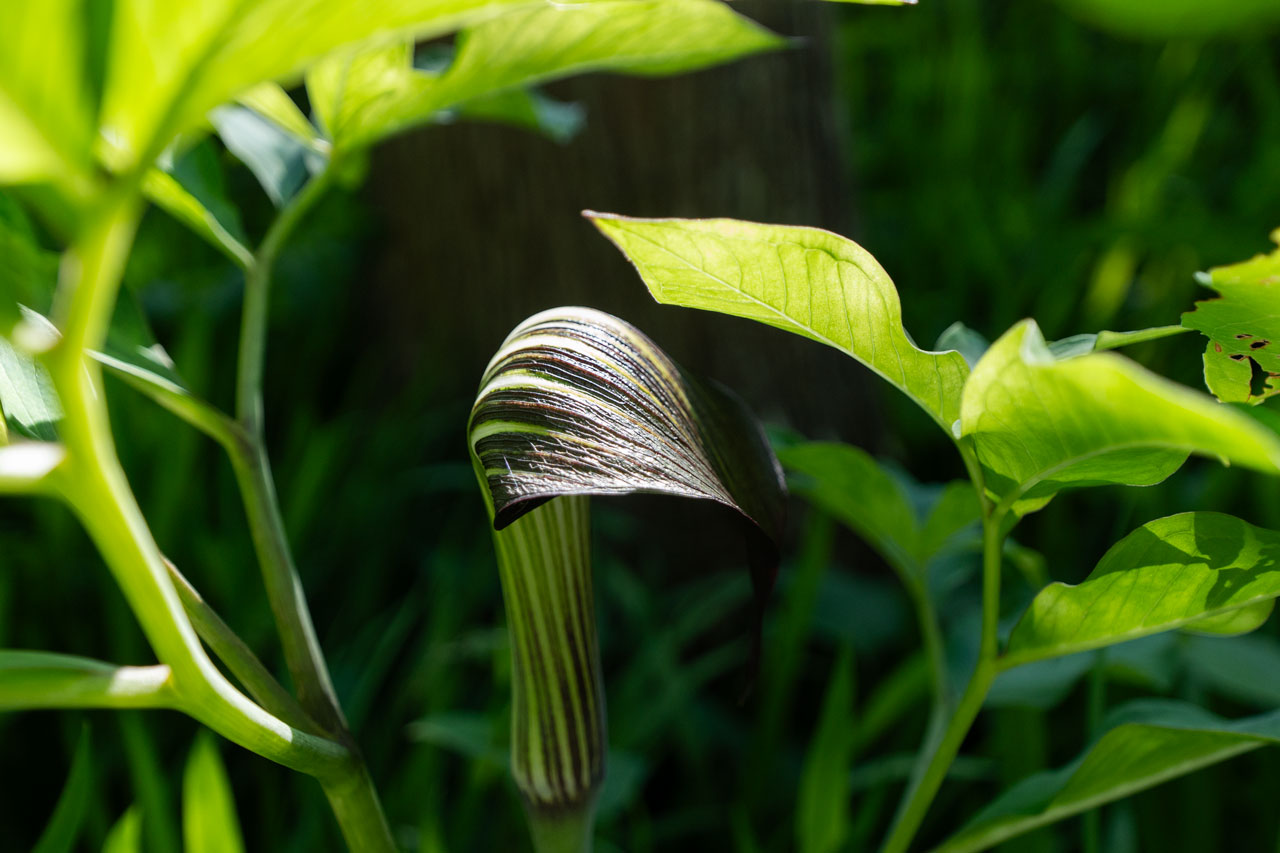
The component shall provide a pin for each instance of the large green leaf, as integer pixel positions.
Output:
(849, 484)
(169, 64)
(1203, 570)
(209, 820)
(63, 828)
(46, 128)
(578, 402)
(1040, 424)
(1147, 742)
(362, 96)
(1243, 327)
(807, 281)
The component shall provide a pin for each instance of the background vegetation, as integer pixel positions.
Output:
(1000, 159)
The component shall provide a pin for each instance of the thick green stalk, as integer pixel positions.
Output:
(355, 804)
(50, 680)
(920, 794)
(96, 488)
(302, 651)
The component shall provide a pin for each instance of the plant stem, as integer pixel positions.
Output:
(934, 649)
(355, 804)
(96, 488)
(302, 651)
(238, 657)
(920, 794)
(51, 680)
(568, 833)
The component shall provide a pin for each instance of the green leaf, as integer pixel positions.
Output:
(1243, 328)
(963, 340)
(272, 102)
(578, 402)
(810, 282)
(277, 158)
(209, 820)
(1147, 742)
(1178, 18)
(28, 272)
(126, 835)
(1245, 669)
(1039, 424)
(170, 64)
(1170, 573)
(63, 828)
(822, 807)
(167, 193)
(45, 118)
(27, 397)
(524, 108)
(1101, 341)
(363, 96)
(848, 483)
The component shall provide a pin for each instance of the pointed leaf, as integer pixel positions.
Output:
(1148, 742)
(1040, 424)
(125, 835)
(849, 484)
(169, 64)
(60, 833)
(1243, 328)
(277, 158)
(807, 281)
(1170, 573)
(579, 402)
(209, 820)
(822, 808)
(364, 96)
(272, 102)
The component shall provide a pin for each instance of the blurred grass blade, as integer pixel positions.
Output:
(578, 402)
(1148, 742)
(1243, 328)
(1200, 570)
(63, 829)
(810, 282)
(822, 808)
(1040, 425)
(125, 835)
(209, 820)
(1172, 19)
(363, 96)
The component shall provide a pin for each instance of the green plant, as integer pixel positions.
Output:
(118, 122)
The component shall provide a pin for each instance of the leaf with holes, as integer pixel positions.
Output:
(805, 280)
(1242, 359)
(363, 96)
(1040, 424)
(1199, 570)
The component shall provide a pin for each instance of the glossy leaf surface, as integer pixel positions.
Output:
(1243, 328)
(1174, 572)
(1147, 742)
(1040, 424)
(810, 282)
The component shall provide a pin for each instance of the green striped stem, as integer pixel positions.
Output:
(558, 720)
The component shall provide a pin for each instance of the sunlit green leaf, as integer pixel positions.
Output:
(1147, 742)
(362, 96)
(170, 64)
(270, 101)
(1243, 327)
(822, 803)
(1173, 572)
(523, 108)
(27, 397)
(1040, 424)
(809, 282)
(45, 120)
(63, 828)
(209, 820)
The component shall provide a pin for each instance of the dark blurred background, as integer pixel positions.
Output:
(1000, 159)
